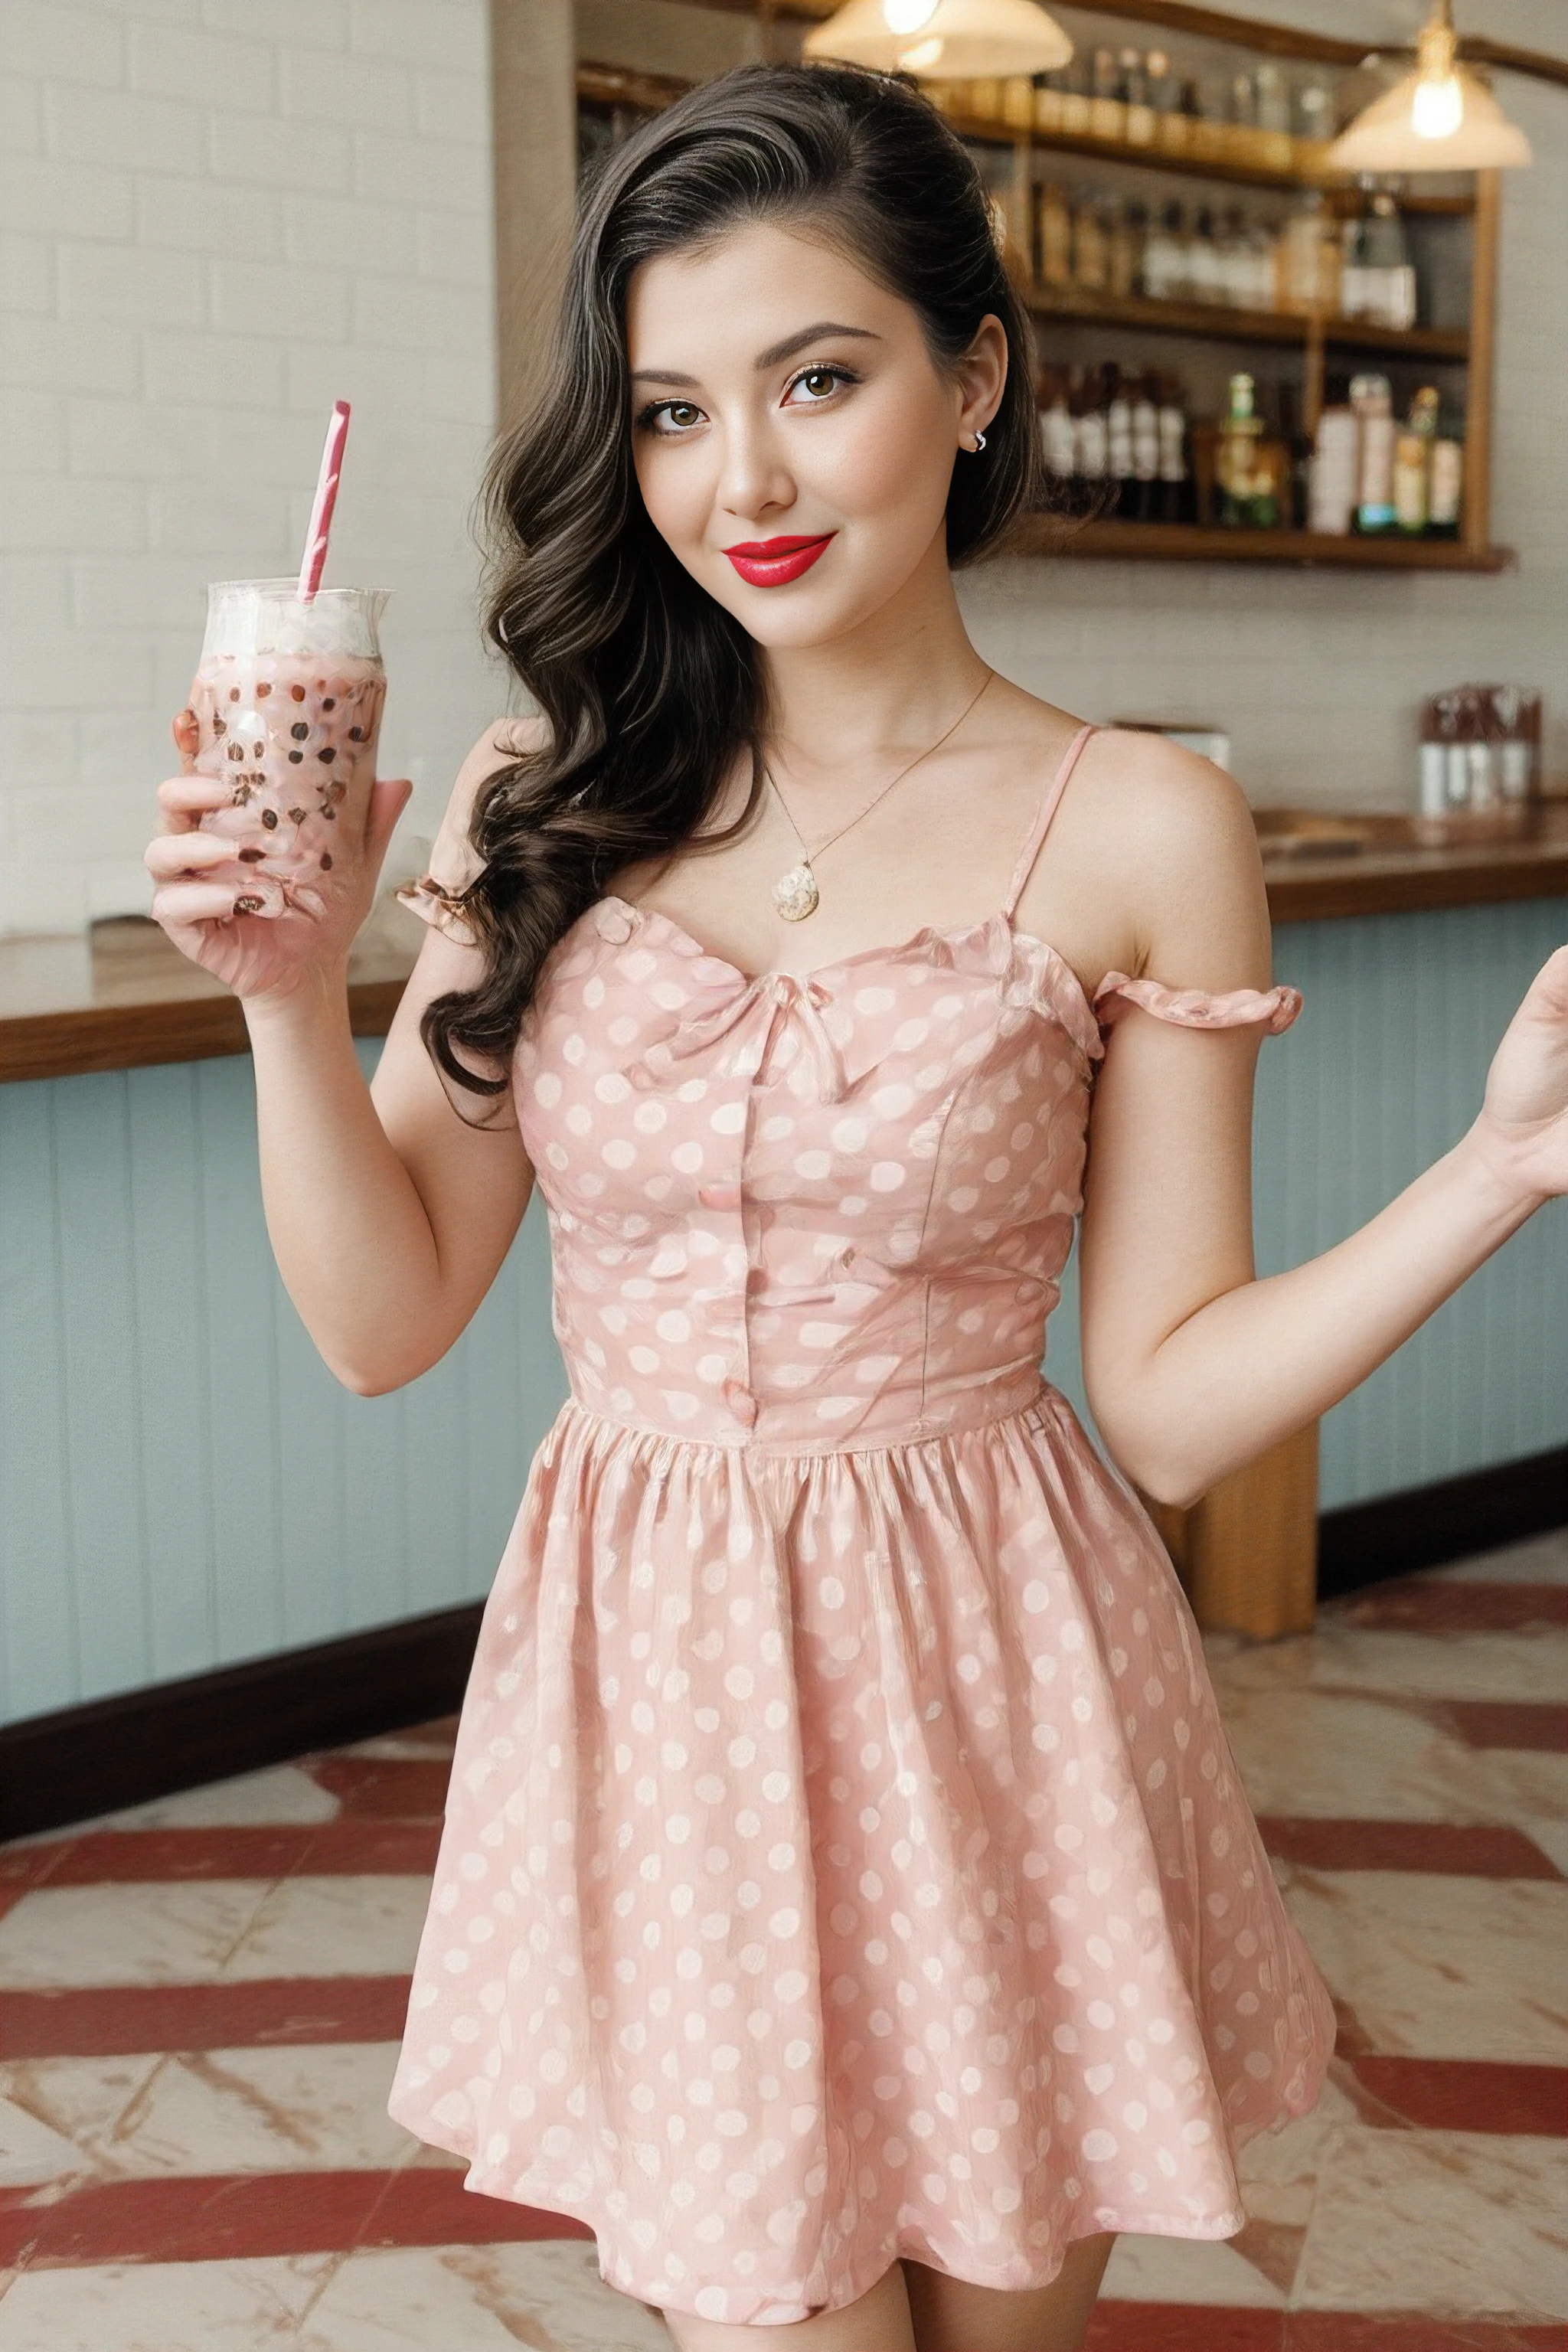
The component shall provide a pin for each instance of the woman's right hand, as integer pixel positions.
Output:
(260, 955)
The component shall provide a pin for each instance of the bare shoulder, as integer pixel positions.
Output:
(1178, 845)
(503, 740)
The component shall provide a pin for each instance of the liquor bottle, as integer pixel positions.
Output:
(1372, 398)
(1133, 89)
(1075, 96)
(1299, 475)
(1049, 101)
(1107, 115)
(1175, 500)
(1446, 497)
(1203, 270)
(1145, 448)
(1235, 458)
(1119, 444)
(1091, 439)
(1129, 227)
(1390, 297)
(1165, 258)
(1413, 464)
(1090, 244)
(1058, 442)
(1053, 235)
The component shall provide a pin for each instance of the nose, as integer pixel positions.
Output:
(754, 483)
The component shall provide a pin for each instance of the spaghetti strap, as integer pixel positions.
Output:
(1038, 830)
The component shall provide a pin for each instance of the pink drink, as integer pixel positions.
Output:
(288, 701)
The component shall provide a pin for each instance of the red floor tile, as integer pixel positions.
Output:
(243, 2217)
(1357, 2331)
(1508, 1723)
(252, 1850)
(1469, 2095)
(403, 1788)
(110, 2021)
(1183, 2327)
(1469, 1850)
(1419, 1604)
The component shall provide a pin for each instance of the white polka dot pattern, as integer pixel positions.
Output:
(843, 1857)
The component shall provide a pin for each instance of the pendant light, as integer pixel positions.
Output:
(1438, 118)
(949, 40)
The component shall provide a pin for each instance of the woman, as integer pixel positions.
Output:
(846, 1902)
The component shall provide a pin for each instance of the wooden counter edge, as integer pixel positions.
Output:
(79, 1039)
(95, 1037)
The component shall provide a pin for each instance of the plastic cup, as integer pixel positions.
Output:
(288, 698)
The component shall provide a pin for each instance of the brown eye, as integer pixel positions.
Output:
(820, 381)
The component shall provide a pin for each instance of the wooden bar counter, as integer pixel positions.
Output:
(123, 998)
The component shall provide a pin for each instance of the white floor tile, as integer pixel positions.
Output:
(546, 2296)
(1461, 2223)
(238, 2306)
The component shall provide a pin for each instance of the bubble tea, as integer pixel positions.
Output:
(288, 701)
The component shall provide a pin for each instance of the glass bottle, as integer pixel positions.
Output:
(1145, 447)
(1386, 255)
(1373, 400)
(1119, 443)
(1204, 266)
(1107, 115)
(1165, 257)
(1049, 101)
(1054, 240)
(1090, 246)
(1234, 460)
(1128, 229)
(1175, 504)
(1138, 112)
(1075, 96)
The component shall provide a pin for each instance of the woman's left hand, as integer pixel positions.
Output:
(1523, 1125)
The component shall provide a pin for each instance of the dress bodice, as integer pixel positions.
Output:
(815, 1212)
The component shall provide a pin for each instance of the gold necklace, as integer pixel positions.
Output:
(795, 894)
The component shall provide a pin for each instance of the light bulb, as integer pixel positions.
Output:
(922, 57)
(1437, 108)
(908, 16)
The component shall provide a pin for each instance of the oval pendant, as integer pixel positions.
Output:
(796, 894)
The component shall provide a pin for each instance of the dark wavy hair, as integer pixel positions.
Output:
(650, 689)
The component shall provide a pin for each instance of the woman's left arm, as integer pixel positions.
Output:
(1192, 1365)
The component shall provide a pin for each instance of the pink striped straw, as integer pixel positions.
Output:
(316, 538)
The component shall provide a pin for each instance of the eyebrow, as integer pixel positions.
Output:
(775, 353)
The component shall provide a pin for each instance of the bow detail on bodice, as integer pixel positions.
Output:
(767, 1003)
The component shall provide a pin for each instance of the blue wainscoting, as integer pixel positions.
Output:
(183, 1484)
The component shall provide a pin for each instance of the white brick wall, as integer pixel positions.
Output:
(219, 216)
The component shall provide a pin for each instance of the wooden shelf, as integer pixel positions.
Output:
(1218, 322)
(1192, 543)
(1303, 172)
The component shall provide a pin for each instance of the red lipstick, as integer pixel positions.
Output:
(769, 562)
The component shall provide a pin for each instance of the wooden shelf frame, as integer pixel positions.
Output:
(1218, 322)
(1178, 543)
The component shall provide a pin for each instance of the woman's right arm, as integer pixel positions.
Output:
(389, 1215)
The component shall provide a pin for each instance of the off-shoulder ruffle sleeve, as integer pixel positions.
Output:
(1196, 1008)
(435, 906)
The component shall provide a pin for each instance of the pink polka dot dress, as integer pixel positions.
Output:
(843, 1858)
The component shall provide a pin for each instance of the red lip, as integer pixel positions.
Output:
(769, 562)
